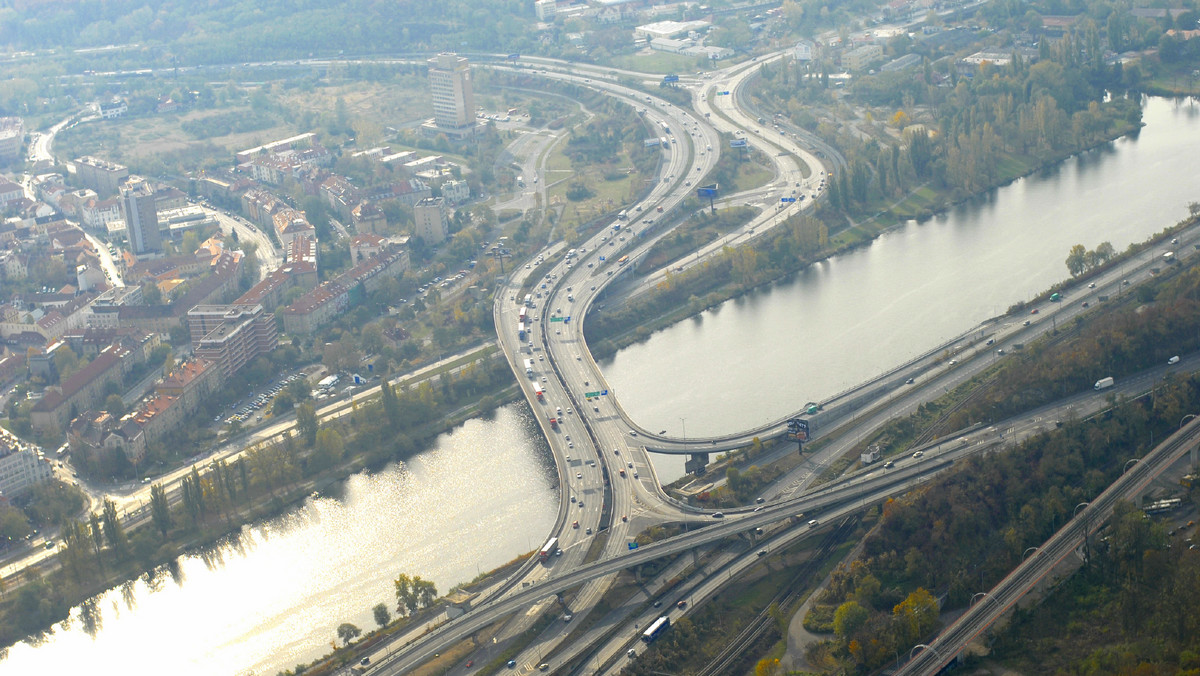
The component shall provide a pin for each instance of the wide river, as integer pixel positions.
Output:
(485, 492)
(274, 598)
(760, 357)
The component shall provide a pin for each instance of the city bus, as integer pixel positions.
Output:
(655, 630)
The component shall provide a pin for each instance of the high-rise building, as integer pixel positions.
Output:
(141, 217)
(430, 217)
(450, 84)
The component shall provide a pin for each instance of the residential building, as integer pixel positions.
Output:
(96, 433)
(302, 249)
(270, 290)
(860, 57)
(450, 87)
(192, 382)
(289, 224)
(12, 138)
(100, 175)
(140, 213)
(112, 108)
(456, 192)
(243, 156)
(332, 298)
(244, 333)
(368, 218)
(430, 217)
(365, 246)
(22, 467)
(82, 390)
(10, 194)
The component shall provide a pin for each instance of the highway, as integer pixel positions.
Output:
(1000, 599)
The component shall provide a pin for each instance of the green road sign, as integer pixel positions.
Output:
(589, 395)
(556, 319)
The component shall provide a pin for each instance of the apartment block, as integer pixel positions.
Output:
(21, 467)
(245, 333)
(100, 175)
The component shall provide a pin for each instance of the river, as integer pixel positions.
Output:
(840, 322)
(274, 597)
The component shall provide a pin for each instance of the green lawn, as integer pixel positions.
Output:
(660, 62)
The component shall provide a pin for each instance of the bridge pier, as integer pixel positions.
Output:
(696, 464)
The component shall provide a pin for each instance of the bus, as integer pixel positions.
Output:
(522, 315)
(548, 549)
(655, 630)
(622, 260)
(528, 299)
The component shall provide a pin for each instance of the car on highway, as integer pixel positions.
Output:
(1173, 360)
(635, 475)
(889, 464)
(909, 381)
(1092, 285)
(630, 465)
(1034, 311)
(588, 531)
(511, 664)
(681, 605)
(624, 518)
(718, 515)
(919, 454)
(633, 433)
(812, 523)
(579, 475)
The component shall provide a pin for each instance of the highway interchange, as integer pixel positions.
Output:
(595, 434)
(596, 437)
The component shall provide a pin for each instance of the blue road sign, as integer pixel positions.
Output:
(633, 545)
(737, 143)
(671, 78)
(602, 258)
(706, 192)
(603, 392)
(787, 199)
(724, 93)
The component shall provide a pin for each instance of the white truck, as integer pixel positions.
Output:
(1104, 383)
(529, 367)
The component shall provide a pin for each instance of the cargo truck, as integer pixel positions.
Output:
(1104, 383)
(528, 367)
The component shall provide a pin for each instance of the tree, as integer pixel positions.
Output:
(152, 294)
(348, 632)
(306, 423)
(13, 524)
(114, 405)
(114, 532)
(160, 509)
(424, 590)
(406, 600)
(382, 616)
(849, 618)
(1077, 260)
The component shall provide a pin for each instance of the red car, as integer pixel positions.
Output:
(575, 525)
(1034, 311)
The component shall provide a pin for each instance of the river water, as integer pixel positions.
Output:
(274, 597)
(485, 492)
(762, 356)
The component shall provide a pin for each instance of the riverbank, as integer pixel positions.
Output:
(791, 248)
(219, 502)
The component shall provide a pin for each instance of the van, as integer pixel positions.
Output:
(1173, 360)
